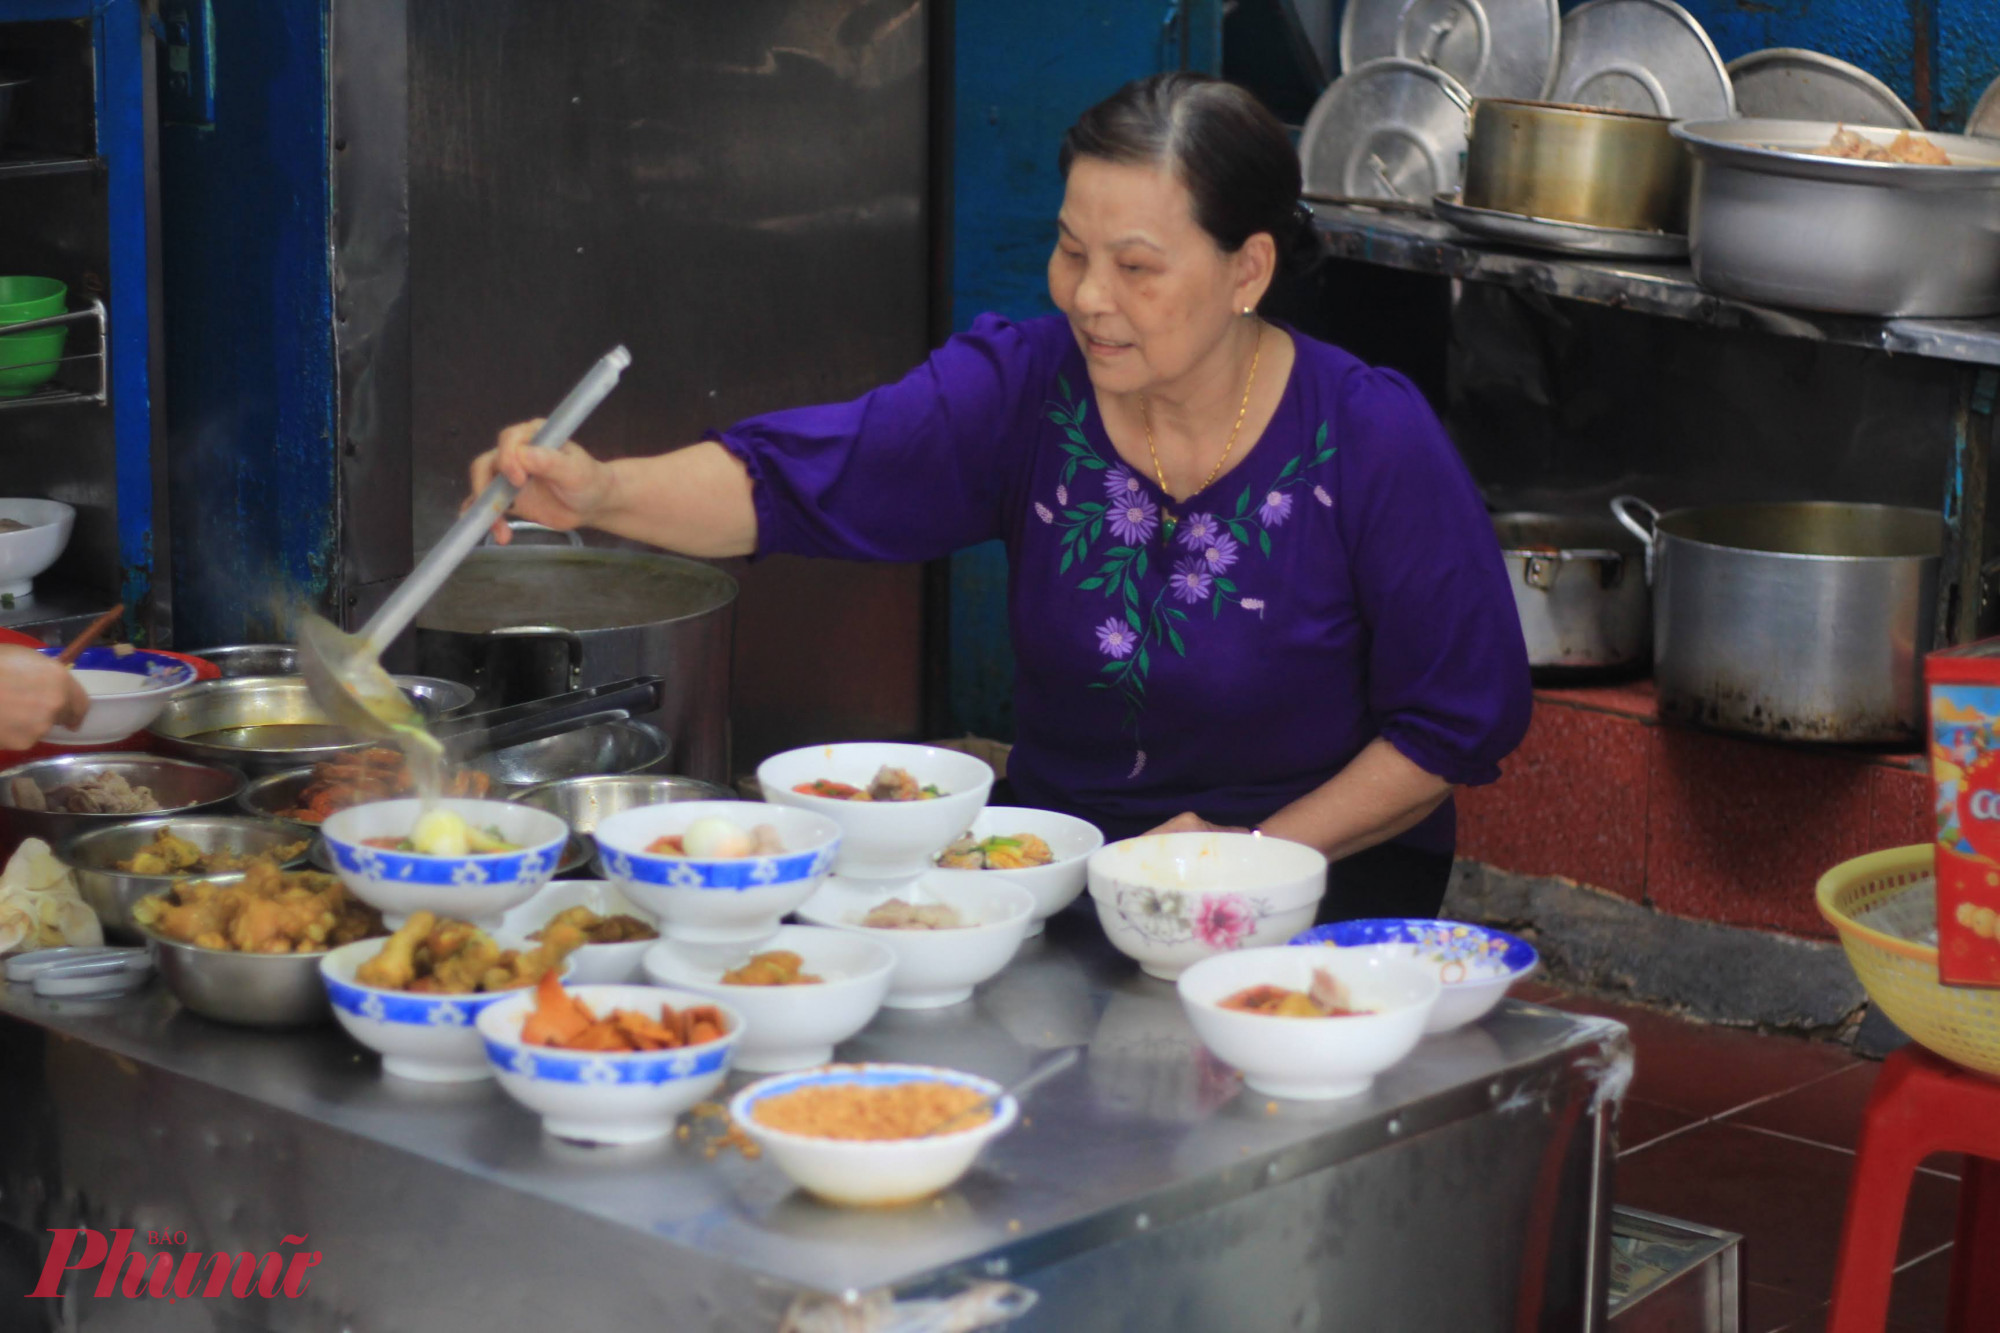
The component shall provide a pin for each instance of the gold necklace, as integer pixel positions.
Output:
(1168, 517)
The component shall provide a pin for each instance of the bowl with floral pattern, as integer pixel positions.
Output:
(717, 899)
(478, 887)
(1475, 964)
(1170, 900)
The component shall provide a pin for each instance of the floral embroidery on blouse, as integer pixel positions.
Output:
(1200, 552)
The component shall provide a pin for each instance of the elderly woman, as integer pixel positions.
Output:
(1252, 584)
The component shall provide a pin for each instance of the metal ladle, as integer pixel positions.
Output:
(344, 671)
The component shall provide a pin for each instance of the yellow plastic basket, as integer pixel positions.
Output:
(1885, 907)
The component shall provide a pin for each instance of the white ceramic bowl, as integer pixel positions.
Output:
(1055, 885)
(595, 964)
(1475, 964)
(786, 1027)
(883, 840)
(429, 1038)
(26, 554)
(872, 1173)
(127, 691)
(613, 1097)
(1170, 900)
(935, 968)
(478, 889)
(1311, 1059)
(738, 900)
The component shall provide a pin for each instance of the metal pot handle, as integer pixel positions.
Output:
(572, 538)
(1622, 507)
(569, 637)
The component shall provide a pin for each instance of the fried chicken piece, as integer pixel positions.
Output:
(559, 941)
(894, 784)
(466, 967)
(396, 966)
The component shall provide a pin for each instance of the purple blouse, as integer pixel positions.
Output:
(1341, 582)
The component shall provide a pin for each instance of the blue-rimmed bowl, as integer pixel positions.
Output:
(127, 690)
(873, 1172)
(475, 888)
(606, 1096)
(429, 1038)
(1475, 964)
(735, 900)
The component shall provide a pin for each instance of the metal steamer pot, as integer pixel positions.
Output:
(1800, 621)
(1580, 590)
(524, 622)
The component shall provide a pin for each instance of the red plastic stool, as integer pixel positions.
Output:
(1922, 1104)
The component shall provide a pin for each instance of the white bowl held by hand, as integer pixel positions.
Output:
(935, 968)
(1475, 964)
(429, 1038)
(595, 964)
(478, 888)
(786, 1027)
(884, 841)
(723, 900)
(127, 691)
(1172, 899)
(612, 1097)
(1311, 1059)
(877, 1172)
(1055, 885)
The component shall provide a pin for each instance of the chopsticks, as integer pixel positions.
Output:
(74, 648)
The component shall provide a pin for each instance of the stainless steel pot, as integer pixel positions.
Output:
(259, 990)
(630, 746)
(180, 786)
(252, 659)
(1795, 621)
(94, 858)
(1771, 221)
(524, 622)
(1588, 165)
(264, 724)
(1580, 589)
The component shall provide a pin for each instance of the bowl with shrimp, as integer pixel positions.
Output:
(1475, 964)
(897, 806)
(718, 872)
(462, 858)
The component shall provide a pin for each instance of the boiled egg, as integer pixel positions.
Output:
(714, 838)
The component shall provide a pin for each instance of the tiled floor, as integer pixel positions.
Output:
(1756, 1135)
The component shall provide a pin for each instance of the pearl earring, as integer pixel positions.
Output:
(1249, 310)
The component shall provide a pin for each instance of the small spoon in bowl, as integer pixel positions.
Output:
(1034, 1078)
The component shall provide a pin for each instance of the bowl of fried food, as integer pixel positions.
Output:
(1309, 1024)
(248, 951)
(117, 866)
(616, 932)
(1044, 852)
(801, 993)
(608, 1064)
(874, 1135)
(468, 859)
(718, 872)
(413, 998)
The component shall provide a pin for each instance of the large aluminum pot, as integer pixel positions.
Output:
(266, 724)
(1796, 621)
(524, 622)
(1590, 165)
(181, 787)
(1580, 589)
(1772, 221)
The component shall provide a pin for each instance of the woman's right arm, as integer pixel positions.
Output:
(696, 500)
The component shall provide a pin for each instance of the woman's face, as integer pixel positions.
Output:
(1148, 293)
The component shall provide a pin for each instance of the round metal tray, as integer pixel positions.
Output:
(1391, 129)
(1570, 238)
(1785, 83)
(1641, 55)
(1495, 48)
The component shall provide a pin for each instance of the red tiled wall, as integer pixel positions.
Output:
(1699, 825)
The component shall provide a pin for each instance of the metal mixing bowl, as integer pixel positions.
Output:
(244, 705)
(584, 803)
(179, 785)
(259, 990)
(94, 856)
(251, 659)
(630, 746)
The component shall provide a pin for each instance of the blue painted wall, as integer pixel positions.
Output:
(1025, 69)
(245, 210)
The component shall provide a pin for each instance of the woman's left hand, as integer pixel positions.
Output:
(1190, 822)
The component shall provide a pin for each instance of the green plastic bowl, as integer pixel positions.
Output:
(23, 299)
(29, 360)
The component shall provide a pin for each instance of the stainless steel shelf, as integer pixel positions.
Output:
(1421, 244)
(72, 384)
(45, 164)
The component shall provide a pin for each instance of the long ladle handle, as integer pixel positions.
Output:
(451, 550)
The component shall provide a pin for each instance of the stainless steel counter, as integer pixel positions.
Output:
(1145, 1188)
